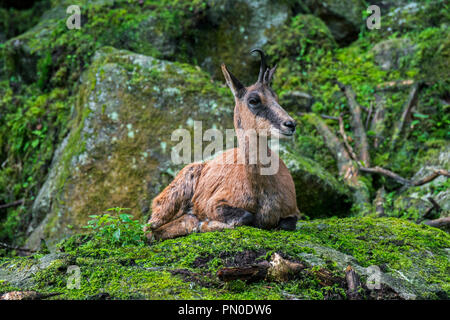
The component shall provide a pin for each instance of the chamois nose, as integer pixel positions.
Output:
(290, 124)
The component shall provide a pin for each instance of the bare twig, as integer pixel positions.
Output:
(394, 85)
(324, 116)
(345, 138)
(12, 204)
(387, 173)
(435, 204)
(248, 273)
(412, 98)
(435, 207)
(404, 181)
(431, 177)
(358, 128)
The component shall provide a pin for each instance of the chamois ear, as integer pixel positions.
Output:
(235, 85)
(271, 73)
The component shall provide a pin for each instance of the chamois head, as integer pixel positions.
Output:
(257, 105)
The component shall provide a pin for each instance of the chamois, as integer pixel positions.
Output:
(208, 196)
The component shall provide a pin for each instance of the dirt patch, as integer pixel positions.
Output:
(202, 279)
(233, 259)
(201, 262)
(243, 258)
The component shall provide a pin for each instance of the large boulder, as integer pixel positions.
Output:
(197, 33)
(319, 193)
(119, 149)
(389, 54)
(414, 202)
(344, 18)
(230, 29)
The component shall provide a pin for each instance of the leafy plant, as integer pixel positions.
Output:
(116, 228)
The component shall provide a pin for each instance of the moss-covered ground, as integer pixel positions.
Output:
(185, 268)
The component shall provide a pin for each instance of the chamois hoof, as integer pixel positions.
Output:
(288, 224)
(246, 219)
(149, 234)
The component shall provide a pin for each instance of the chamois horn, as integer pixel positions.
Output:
(263, 66)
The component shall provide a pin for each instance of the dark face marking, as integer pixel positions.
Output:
(261, 104)
(241, 93)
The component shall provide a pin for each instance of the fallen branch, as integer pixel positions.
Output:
(412, 98)
(441, 223)
(247, 273)
(12, 204)
(353, 284)
(377, 125)
(358, 127)
(387, 173)
(346, 166)
(431, 177)
(282, 270)
(279, 269)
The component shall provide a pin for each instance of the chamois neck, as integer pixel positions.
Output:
(248, 145)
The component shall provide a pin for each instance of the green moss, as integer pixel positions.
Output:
(185, 268)
(15, 21)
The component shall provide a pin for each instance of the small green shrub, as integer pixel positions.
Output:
(117, 228)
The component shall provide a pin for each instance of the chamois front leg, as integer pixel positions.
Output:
(182, 226)
(227, 217)
(234, 216)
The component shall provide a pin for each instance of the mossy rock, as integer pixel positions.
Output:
(389, 53)
(319, 193)
(410, 261)
(118, 152)
(343, 18)
(219, 41)
(196, 32)
(413, 203)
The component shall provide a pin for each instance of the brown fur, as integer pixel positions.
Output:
(217, 194)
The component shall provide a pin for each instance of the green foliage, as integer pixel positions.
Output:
(14, 21)
(116, 229)
(36, 100)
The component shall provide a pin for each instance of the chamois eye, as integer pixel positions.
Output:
(254, 101)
